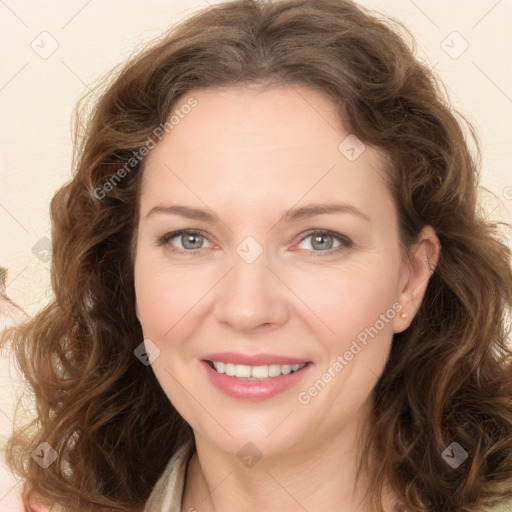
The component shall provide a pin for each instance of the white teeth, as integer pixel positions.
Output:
(259, 372)
(256, 372)
(286, 369)
(230, 369)
(220, 367)
(242, 370)
(274, 370)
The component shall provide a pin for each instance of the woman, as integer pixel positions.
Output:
(273, 285)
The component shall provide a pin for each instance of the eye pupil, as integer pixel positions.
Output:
(195, 241)
(322, 244)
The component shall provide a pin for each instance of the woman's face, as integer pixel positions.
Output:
(259, 286)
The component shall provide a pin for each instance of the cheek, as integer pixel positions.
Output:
(347, 301)
(358, 309)
(168, 297)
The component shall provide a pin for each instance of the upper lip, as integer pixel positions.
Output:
(252, 359)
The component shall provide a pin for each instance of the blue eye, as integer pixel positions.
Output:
(191, 240)
(322, 242)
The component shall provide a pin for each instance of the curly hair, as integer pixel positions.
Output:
(448, 376)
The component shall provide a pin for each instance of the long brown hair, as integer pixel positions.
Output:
(449, 375)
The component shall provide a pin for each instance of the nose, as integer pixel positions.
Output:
(251, 297)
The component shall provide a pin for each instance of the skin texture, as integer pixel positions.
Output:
(247, 155)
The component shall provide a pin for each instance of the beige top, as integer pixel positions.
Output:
(168, 491)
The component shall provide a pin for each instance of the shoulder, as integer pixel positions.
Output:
(168, 491)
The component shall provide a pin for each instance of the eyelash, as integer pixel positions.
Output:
(345, 242)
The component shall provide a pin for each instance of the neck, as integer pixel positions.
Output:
(323, 477)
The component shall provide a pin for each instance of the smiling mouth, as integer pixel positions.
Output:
(262, 372)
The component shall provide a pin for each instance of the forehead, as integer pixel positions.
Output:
(251, 143)
(256, 118)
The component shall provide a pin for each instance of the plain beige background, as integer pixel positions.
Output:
(53, 51)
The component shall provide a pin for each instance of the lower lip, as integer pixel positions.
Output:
(254, 390)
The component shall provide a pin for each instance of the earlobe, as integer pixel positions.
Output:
(423, 258)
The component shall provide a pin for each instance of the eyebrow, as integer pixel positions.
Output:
(290, 215)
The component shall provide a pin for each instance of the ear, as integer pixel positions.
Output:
(137, 310)
(422, 261)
